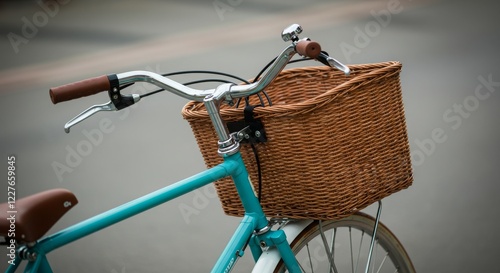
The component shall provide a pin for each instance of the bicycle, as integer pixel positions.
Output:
(277, 244)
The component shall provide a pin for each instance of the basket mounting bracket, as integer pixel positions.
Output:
(250, 129)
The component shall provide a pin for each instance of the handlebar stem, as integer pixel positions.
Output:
(212, 104)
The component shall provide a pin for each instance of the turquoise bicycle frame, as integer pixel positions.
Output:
(254, 220)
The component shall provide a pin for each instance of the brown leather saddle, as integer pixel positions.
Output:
(29, 218)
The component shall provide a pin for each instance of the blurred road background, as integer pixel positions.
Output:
(449, 49)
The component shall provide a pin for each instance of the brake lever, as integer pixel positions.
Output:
(327, 60)
(87, 113)
(118, 102)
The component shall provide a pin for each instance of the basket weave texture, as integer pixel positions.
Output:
(336, 143)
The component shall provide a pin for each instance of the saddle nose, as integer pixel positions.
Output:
(31, 217)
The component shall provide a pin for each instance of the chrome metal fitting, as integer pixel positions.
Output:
(263, 230)
(291, 33)
(229, 147)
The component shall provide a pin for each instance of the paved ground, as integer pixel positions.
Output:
(449, 50)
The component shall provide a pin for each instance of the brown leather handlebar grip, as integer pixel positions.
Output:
(308, 48)
(79, 89)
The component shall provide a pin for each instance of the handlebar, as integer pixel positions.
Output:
(114, 82)
(95, 85)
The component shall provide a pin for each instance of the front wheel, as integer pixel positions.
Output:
(348, 242)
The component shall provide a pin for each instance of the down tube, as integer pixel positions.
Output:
(234, 248)
(134, 207)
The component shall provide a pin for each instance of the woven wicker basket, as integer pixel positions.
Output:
(336, 143)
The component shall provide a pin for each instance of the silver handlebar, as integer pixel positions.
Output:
(232, 92)
(162, 82)
(224, 92)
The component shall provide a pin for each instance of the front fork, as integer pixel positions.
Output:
(277, 239)
(247, 234)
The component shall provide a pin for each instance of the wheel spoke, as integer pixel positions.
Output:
(301, 267)
(310, 260)
(352, 254)
(383, 261)
(327, 248)
(359, 250)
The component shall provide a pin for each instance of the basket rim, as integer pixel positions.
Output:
(195, 109)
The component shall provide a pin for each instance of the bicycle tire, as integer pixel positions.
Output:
(363, 225)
